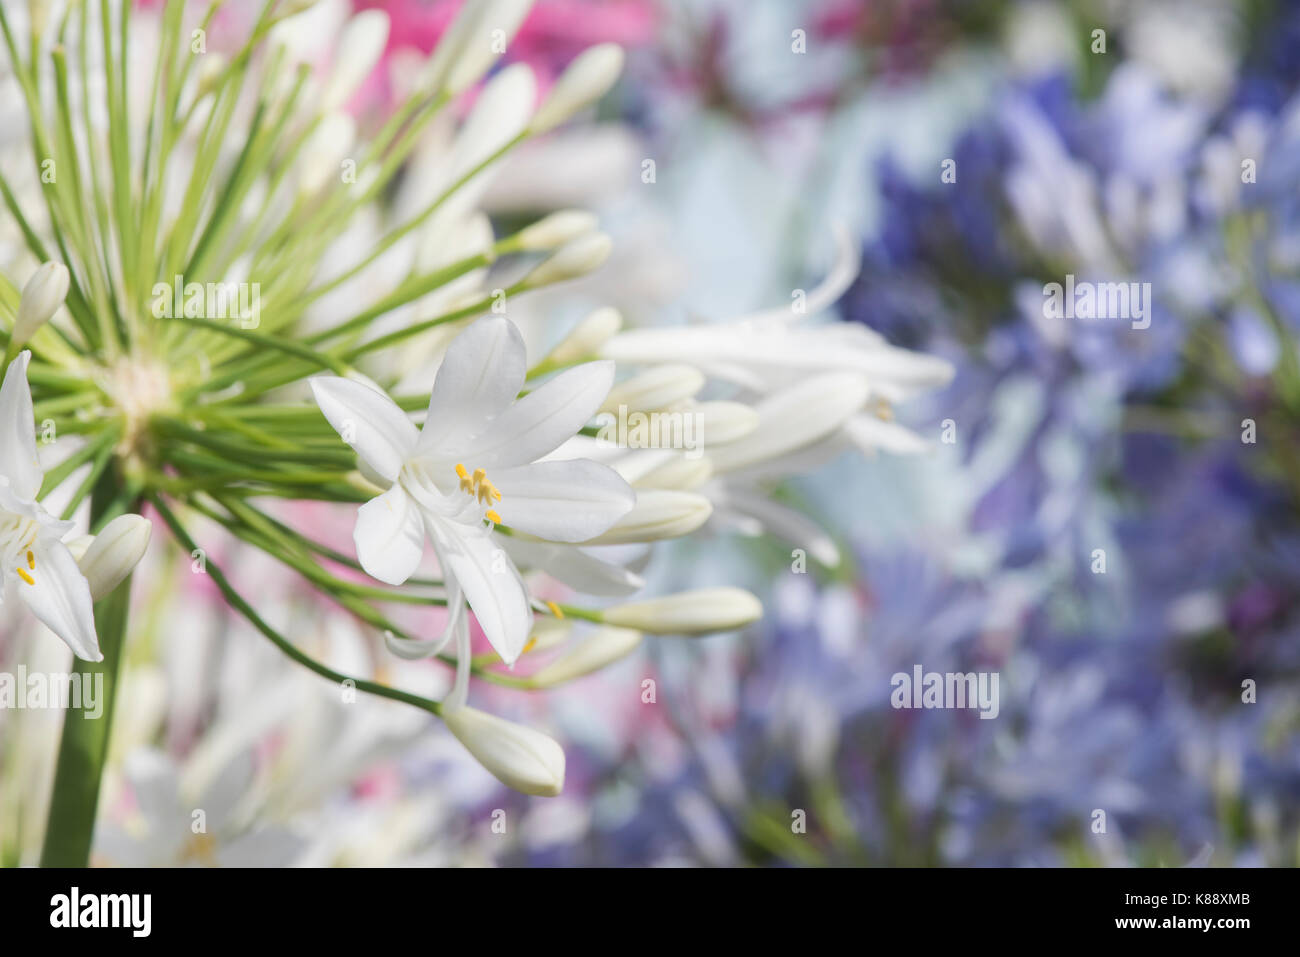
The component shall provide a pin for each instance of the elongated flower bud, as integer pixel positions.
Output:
(689, 613)
(114, 553)
(679, 472)
(584, 339)
(727, 421)
(658, 514)
(602, 647)
(517, 756)
(586, 80)
(472, 42)
(42, 297)
(574, 259)
(359, 49)
(553, 231)
(657, 388)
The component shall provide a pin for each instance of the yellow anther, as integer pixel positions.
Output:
(465, 484)
(532, 643)
(555, 609)
(31, 560)
(492, 517)
(487, 492)
(22, 573)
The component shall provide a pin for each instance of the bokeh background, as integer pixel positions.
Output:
(743, 135)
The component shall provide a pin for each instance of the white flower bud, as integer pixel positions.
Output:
(517, 756)
(553, 231)
(586, 80)
(689, 613)
(602, 647)
(469, 46)
(585, 338)
(42, 297)
(657, 388)
(658, 514)
(114, 553)
(360, 46)
(727, 421)
(574, 259)
(679, 472)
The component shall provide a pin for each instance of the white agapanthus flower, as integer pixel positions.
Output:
(38, 568)
(474, 466)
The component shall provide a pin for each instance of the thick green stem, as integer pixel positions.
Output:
(84, 746)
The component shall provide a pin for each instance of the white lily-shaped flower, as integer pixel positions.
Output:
(474, 466)
(35, 565)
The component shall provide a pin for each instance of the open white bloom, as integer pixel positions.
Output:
(35, 565)
(474, 466)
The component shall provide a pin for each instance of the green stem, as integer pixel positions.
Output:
(83, 748)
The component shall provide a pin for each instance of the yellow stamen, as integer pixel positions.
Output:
(532, 643)
(492, 517)
(22, 573)
(555, 609)
(465, 485)
(31, 560)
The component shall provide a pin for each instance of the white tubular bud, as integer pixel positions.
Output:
(727, 421)
(658, 388)
(689, 613)
(680, 472)
(517, 756)
(602, 647)
(360, 46)
(114, 553)
(658, 514)
(586, 80)
(573, 260)
(586, 337)
(41, 299)
(324, 153)
(472, 43)
(553, 231)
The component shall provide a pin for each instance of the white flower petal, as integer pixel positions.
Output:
(18, 461)
(574, 566)
(491, 583)
(369, 421)
(480, 377)
(60, 598)
(542, 420)
(389, 536)
(562, 501)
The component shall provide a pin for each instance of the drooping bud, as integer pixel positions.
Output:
(517, 756)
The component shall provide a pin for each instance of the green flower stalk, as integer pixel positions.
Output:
(190, 209)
